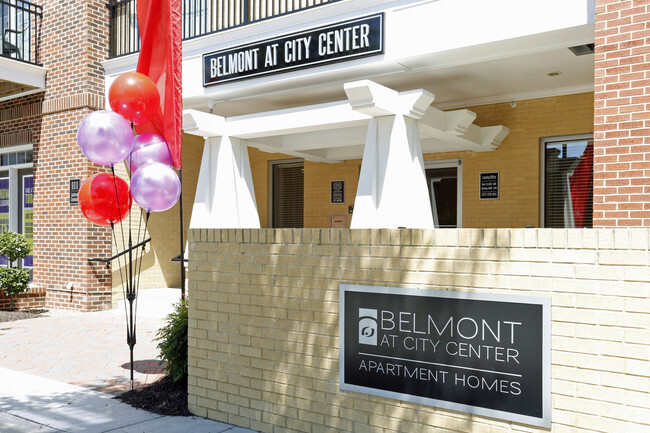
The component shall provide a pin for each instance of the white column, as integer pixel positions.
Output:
(392, 190)
(225, 197)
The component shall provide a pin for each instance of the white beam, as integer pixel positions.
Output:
(203, 124)
(295, 120)
(375, 100)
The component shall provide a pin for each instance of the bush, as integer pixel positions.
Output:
(172, 342)
(13, 246)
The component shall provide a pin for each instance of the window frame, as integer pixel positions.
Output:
(542, 161)
(16, 173)
(456, 163)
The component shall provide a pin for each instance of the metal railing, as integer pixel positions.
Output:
(200, 17)
(20, 30)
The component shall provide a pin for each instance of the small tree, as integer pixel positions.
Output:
(13, 246)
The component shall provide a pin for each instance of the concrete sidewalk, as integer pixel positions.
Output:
(52, 369)
(30, 403)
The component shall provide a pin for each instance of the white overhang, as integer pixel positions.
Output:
(333, 132)
(470, 53)
(20, 79)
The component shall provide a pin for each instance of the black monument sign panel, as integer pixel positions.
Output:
(479, 353)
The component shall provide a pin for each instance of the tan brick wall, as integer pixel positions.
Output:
(264, 321)
(517, 160)
(157, 270)
(621, 186)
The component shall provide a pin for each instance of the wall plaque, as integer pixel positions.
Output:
(478, 353)
(75, 184)
(339, 221)
(337, 191)
(489, 186)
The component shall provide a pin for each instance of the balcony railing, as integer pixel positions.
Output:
(20, 30)
(200, 17)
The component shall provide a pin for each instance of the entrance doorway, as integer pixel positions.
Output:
(445, 190)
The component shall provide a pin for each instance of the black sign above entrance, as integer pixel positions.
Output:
(346, 40)
(478, 353)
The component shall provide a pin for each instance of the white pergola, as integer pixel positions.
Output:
(389, 130)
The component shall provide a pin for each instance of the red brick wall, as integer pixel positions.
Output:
(621, 114)
(24, 301)
(74, 42)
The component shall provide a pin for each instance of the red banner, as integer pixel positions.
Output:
(160, 25)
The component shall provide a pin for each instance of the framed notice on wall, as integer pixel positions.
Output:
(337, 191)
(489, 186)
(75, 184)
(478, 353)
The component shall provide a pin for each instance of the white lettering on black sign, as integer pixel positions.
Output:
(489, 186)
(486, 354)
(347, 40)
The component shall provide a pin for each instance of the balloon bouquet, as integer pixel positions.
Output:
(107, 138)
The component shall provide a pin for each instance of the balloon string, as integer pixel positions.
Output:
(138, 260)
(119, 266)
(119, 213)
(141, 252)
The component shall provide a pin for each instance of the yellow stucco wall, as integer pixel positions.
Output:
(517, 160)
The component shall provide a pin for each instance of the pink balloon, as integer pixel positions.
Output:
(155, 187)
(149, 147)
(105, 137)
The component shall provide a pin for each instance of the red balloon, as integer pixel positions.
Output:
(99, 197)
(134, 96)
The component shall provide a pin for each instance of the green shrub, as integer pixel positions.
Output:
(14, 281)
(172, 342)
(13, 246)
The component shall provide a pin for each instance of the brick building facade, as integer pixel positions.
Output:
(73, 42)
(74, 47)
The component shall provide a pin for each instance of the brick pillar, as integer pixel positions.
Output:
(74, 42)
(622, 114)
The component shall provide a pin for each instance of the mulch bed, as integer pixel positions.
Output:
(164, 397)
(10, 316)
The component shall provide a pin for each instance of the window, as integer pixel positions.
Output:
(287, 194)
(568, 182)
(16, 195)
(444, 182)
